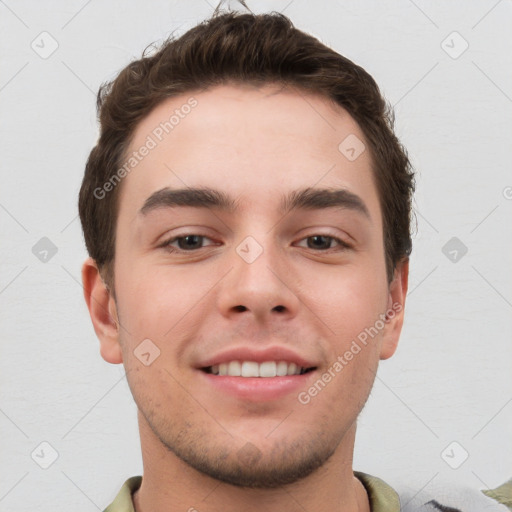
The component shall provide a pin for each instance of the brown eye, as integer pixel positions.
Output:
(185, 243)
(190, 242)
(325, 242)
(320, 242)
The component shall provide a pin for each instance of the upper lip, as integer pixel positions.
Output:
(243, 353)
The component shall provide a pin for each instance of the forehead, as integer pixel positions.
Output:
(253, 141)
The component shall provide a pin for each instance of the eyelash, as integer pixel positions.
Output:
(167, 245)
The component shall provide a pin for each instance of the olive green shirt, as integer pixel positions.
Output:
(382, 497)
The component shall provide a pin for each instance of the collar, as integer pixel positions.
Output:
(382, 497)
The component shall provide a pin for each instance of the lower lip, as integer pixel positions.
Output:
(258, 389)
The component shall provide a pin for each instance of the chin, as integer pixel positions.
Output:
(252, 468)
(265, 464)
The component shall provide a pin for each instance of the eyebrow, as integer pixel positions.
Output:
(303, 199)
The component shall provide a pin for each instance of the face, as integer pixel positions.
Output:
(249, 264)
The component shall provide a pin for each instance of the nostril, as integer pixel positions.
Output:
(240, 308)
(279, 308)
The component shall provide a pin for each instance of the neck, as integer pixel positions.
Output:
(171, 484)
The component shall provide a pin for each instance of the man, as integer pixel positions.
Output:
(247, 214)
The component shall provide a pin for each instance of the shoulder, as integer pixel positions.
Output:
(123, 500)
(437, 496)
(452, 497)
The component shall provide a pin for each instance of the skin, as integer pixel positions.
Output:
(255, 144)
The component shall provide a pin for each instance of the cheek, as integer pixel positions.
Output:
(347, 300)
(157, 304)
(137, 304)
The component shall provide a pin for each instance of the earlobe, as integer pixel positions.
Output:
(103, 312)
(395, 310)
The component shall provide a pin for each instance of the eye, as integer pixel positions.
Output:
(323, 242)
(189, 243)
(194, 242)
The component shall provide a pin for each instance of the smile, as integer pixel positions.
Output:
(265, 369)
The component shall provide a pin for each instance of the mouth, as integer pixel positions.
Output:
(256, 374)
(252, 369)
(249, 375)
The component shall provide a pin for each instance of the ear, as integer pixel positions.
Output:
(395, 309)
(103, 311)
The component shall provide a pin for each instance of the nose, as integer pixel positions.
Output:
(259, 284)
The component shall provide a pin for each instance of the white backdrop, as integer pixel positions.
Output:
(447, 69)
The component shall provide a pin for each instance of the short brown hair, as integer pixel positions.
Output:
(242, 48)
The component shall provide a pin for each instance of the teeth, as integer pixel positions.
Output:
(235, 369)
(253, 369)
(268, 369)
(281, 369)
(250, 369)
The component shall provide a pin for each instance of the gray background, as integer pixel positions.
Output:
(450, 380)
